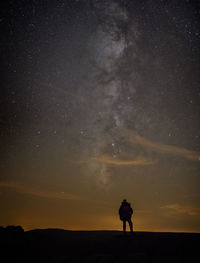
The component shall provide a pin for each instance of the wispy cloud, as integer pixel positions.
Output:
(158, 147)
(25, 189)
(180, 209)
(108, 160)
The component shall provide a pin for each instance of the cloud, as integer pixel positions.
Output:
(106, 159)
(25, 189)
(161, 148)
(180, 209)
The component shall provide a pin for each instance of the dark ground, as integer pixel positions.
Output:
(57, 245)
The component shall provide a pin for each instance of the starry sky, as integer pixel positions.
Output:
(100, 102)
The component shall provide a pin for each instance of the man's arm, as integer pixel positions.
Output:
(120, 210)
(131, 210)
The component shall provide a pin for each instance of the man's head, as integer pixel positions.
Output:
(124, 200)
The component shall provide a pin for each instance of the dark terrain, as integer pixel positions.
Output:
(57, 245)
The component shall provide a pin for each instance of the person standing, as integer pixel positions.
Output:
(125, 213)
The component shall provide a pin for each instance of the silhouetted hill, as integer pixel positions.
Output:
(57, 245)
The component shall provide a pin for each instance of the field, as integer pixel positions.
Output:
(57, 245)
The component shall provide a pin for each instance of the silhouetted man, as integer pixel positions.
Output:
(125, 213)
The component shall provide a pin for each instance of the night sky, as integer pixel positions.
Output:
(100, 101)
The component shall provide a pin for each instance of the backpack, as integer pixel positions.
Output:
(125, 212)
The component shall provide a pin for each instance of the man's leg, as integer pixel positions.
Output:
(124, 226)
(130, 225)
